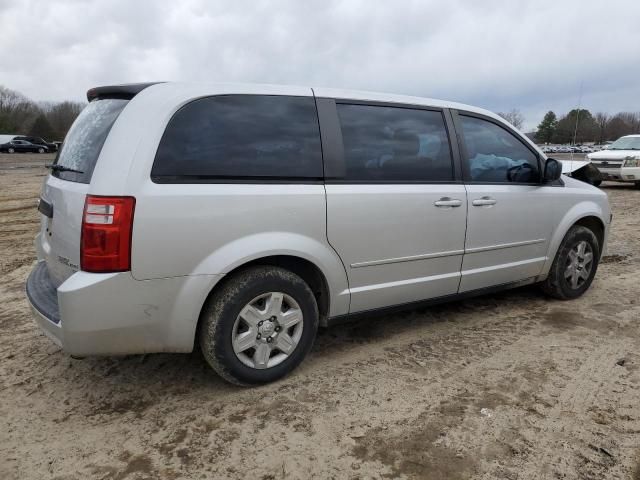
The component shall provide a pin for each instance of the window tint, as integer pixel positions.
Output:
(496, 155)
(86, 137)
(240, 136)
(394, 144)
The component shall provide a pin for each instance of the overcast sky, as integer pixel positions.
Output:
(530, 55)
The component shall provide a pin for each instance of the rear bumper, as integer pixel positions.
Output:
(43, 300)
(115, 314)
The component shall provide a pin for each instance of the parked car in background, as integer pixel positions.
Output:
(51, 147)
(5, 138)
(621, 161)
(247, 216)
(22, 146)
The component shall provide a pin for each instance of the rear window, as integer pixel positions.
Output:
(241, 137)
(86, 137)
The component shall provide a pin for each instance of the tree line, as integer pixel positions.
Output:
(49, 120)
(598, 128)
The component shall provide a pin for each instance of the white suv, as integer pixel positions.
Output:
(243, 217)
(621, 161)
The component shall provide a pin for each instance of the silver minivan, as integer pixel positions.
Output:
(243, 217)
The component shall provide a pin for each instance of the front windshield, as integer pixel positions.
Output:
(626, 143)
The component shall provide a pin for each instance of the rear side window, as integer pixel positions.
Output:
(241, 137)
(390, 144)
(496, 155)
(86, 137)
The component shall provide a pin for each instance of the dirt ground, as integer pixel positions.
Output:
(509, 386)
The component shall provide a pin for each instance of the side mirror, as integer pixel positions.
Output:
(552, 170)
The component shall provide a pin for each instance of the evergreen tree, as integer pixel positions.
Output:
(547, 127)
(566, 128)
(42, 128)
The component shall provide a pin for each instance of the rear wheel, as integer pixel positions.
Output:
(259, 326)
(575, 264)
(637, 185)
(41, 150)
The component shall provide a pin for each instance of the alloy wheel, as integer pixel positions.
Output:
(267, 330)
(579, 264)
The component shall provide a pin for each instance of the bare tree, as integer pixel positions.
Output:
(632, 119)
(17, 112)
(623, 123)
(61, 116)
(602, 123)
(20, 115)
(514, 117)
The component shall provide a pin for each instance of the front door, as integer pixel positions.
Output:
(510, 218)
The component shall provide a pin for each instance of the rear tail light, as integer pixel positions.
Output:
(107, 224)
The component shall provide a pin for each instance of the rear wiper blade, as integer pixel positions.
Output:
(61, 168)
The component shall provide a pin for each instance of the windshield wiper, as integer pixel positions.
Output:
(61, 168)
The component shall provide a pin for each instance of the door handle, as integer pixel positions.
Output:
(448, 202)
(484, 202)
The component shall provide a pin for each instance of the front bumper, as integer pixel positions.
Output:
(115, 314)
(621, 174)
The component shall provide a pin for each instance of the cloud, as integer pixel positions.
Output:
(496, 54)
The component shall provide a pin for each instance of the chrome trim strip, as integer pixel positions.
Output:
(502, 266)
(505, 245)
(450, 253)
(403, 283)
(411, 258)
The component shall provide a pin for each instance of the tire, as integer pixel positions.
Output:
(253, 291)
(41, 150)
(563, 283)
(11, 150)
(637, 185)
(596, 183)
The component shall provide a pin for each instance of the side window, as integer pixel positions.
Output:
(394, 144)
(242, 136)
(496, 155)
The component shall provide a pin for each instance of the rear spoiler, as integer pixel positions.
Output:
(125, 91)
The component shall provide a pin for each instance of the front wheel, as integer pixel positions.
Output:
(11, 150)
(259, 326)
(41, 150)
(596, 183)
(575, 264)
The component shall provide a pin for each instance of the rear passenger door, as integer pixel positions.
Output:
(509, 218)
(395, 212)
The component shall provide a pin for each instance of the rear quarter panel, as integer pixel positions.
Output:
(209, 229)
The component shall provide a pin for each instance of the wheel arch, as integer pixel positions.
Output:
(587, 214)
(304, 268)
(596, 225)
